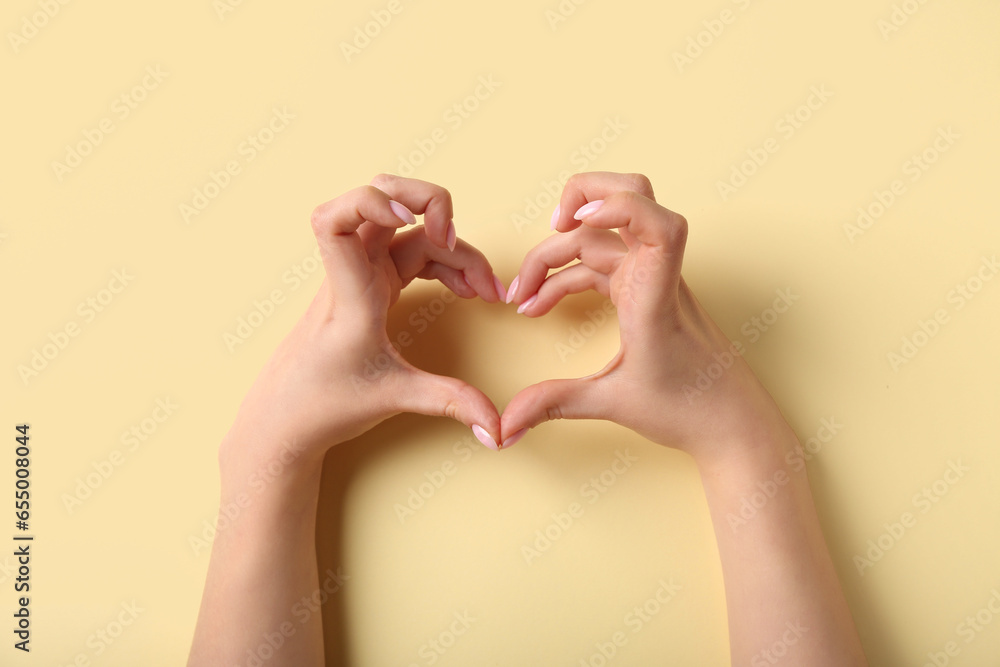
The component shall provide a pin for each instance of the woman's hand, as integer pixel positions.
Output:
(667, 339)
(336, 374)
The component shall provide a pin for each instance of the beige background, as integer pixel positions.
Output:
(560, 84)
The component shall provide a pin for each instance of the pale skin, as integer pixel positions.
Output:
(313, 394)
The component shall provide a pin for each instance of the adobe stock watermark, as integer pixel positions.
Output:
(751, 505)
(102, 639)
(923, 501)
(264, 308)
(592, 490)
(584, 155)
(712, 28)
(302, 612)
(913, 170)
(958, 297)
(123, 106)
(435, 647)
(258, 481)
(753, 330)
(453, 117)
(635, 620)
(420, 320)
(33, 23)
(224, 8)
(246, 152)
(131, 439)
(968, 629)
(562, 12)
(368, 32)
(899, 16)
(776, 652)
(57, 341)
(434, 480)
(787, 126)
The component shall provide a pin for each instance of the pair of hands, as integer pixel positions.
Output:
(630, 249)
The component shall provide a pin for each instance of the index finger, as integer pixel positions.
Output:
(592, 186)
(335, 224)
(423, 198)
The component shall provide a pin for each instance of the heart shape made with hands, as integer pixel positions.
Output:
(434, 330)
(611, 238)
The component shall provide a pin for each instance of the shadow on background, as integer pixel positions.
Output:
(448, 348)
(438, 351)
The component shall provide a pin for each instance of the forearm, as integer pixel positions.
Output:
(263, 565)
(782, 590)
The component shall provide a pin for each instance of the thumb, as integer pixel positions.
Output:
(552, 399)
(437, 395)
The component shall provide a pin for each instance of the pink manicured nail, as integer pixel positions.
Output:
(513, 289)
(501, 292)
(555, 216)
(402, 212)
(452, 236)
(483, 436)
(588, 209)
(514, 438)
(527, 304)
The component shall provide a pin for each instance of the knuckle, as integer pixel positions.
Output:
(451, 409)
(547, 397)
(381, 180)
(461, 395)
(369, 191)
(574, 181)
(677, 232)
(629, 198)
(317, 219)
(442, 200)
(641, 184)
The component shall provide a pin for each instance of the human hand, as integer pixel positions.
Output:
(316, 389)
(667, 338)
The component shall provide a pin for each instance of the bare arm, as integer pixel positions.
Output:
(317, 390)
(782, 592)
(778, 574)
(263, 566)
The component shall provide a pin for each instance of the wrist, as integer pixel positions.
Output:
(254, 466)
(753, 449)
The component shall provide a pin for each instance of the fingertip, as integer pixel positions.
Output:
(510, 440)
(513, 289)
(403, 213)
(528, 303)
(484, 437)
(588, 209)
(517, 416)
(498, 286)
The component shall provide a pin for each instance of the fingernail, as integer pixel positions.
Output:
(402, 212)
(588, 209)
(466, 279)
(513, 288)
(514, 438)
(452, 236)
(484, 437)
(555, 216)
(501, 292)
(527, 304)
